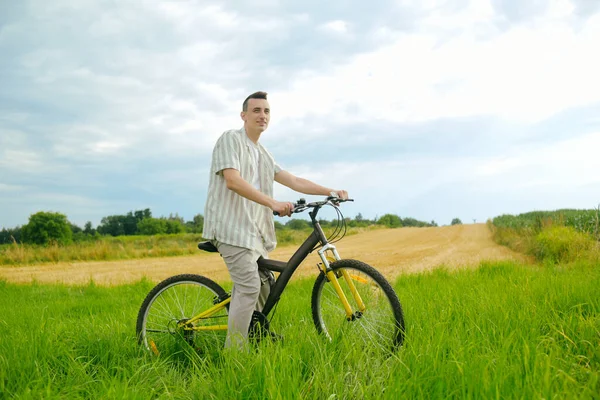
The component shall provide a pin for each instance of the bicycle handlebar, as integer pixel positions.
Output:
(301, 204)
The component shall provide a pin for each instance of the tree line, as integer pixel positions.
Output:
(51, 227)
(48, 227)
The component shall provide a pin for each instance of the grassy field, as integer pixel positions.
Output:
(130, 247)
(552, 237)
(501, 331)
(586, 221)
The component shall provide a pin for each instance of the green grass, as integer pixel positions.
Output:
(587, 221)
(501, 331)
(131, 247)
(552, 241)
(105, 248)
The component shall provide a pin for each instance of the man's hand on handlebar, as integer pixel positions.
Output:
(282, 208)
(286, 209)
(340, 194)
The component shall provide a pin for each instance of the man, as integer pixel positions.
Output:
(238, 217)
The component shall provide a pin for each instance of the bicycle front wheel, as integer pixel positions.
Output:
(377, 320)
(161, 327)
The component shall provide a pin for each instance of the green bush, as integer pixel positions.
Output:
(46, 228)
(81, 237)
(174, 226)
(559, 244)
(152, 226)
(520, 240)
(587, 221)
(390, 220)
(285, 237)
(298, 224)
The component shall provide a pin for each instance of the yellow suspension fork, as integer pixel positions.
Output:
(332, 277)
(349, 280)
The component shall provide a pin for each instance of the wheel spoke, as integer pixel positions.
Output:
(157, 331)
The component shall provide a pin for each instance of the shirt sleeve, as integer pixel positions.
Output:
(276, 167)
(226, 154)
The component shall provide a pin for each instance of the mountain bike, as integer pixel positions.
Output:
(351, 301)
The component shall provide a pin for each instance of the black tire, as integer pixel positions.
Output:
(379, 328)
(175, 299)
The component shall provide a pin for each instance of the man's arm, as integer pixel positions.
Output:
(236, 183)
(305, 186)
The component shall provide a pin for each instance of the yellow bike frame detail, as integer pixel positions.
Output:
(338, 289)
(206, 314)
(348, 278)
(357, 298)
(210, 328)
(332, 277)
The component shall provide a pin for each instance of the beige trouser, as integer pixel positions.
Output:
(250, 289)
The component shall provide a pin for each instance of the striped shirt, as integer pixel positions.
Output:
(229, 217)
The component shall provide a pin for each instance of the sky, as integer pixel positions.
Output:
(426, 109)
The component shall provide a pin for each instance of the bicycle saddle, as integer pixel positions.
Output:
(207, 246)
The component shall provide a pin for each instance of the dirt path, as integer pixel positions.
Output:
(391, 251)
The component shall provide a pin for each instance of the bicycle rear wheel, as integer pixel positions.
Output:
(379, 327)
(176, 300)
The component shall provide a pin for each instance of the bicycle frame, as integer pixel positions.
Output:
(286, 271)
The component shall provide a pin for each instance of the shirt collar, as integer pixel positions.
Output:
(247, 139)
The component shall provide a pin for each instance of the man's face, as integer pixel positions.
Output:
(257, 116)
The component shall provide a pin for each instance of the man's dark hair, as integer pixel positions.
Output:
(256, 95)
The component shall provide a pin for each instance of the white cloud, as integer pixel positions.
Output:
(193, 19)
(106, 147)
(22, 161)
(4, 188)
(572, 162)
(188, 14)
(560, 9)
(337, 26)
(524, 74)
(472, 16)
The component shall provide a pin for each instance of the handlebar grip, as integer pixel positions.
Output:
(277, 214)
(293, 210)
(302, 202)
